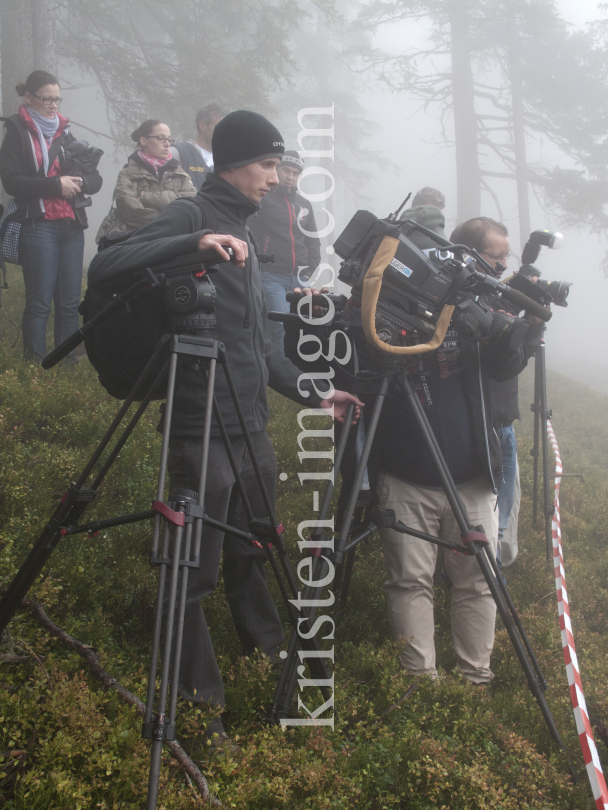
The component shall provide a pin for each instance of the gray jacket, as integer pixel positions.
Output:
(241, 309)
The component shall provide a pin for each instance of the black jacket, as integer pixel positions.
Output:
(22, 180)
(277, 231)
(505, 393)
(400, 448)
(240, 309)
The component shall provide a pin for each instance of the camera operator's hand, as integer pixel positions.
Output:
(341, 400)
(317, 311)
(214, 241)
(70, 186)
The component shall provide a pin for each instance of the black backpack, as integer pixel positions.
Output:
(122, 344)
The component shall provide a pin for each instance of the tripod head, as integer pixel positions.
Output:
(189, 297)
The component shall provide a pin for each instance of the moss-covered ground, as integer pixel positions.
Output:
(67, 743)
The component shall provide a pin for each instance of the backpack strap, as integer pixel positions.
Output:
(55, 151)
(207, 211)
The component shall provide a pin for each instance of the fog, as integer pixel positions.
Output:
(409, 138)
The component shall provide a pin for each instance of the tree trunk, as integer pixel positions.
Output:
(15, 50)
(44, 35)
(468, 174)
(519, 138)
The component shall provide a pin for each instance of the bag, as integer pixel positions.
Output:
(9, 233)
(110, 225)
(120, 346)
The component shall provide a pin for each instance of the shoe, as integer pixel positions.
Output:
(217, 738)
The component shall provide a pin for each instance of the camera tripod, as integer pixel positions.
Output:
(473, 538)
(178, 541)
(541, 416)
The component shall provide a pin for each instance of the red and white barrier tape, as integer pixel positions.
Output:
(583, 726)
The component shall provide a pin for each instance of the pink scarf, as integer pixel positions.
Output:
(155, 163)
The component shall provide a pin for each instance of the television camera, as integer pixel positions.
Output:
(407, 293)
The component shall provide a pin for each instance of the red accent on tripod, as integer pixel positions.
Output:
(177, 518)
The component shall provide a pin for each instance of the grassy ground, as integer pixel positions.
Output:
(448, 745)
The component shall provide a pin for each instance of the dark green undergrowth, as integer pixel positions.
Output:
(67, 743)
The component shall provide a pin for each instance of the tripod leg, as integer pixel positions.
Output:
(161, 729)
(535, 684)
(535, 449)
(544, 417)
(338, 556)
(287, 679)
(170, 610)
(348, 572)
(198, 530)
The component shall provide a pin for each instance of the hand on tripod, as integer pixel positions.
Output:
(219, 241)
(317, 309)
(340, 401)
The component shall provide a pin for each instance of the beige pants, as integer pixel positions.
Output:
(410, 564)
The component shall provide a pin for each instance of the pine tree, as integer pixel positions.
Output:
(508, 73)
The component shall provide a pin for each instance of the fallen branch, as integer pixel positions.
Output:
(409, 692)
(111, 683)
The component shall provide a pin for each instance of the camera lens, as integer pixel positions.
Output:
(558, 290)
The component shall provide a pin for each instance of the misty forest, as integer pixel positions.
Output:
(503, 107)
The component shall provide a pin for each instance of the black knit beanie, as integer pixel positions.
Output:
(244, 137)
(292, 159)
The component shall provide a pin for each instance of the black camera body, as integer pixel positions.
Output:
(416, 284)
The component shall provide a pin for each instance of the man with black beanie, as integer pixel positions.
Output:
(246, 150)
(284, 229)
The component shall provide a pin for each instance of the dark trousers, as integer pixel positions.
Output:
(255, 616)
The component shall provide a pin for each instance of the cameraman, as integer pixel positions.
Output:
(491, 240)
(246, 149)
(453, 387)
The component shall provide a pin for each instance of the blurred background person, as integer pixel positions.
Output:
(50, 209)
(151, 179)
(427, 205)
(283, 229)
(196, 156)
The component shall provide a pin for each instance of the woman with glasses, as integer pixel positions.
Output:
(48, 207)
(151, 179)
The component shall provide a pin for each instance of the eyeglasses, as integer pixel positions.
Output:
(162, 139)
(496, 256)
(48, 100)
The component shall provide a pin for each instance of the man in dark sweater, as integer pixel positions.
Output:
(285, 229)
(246, 150)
